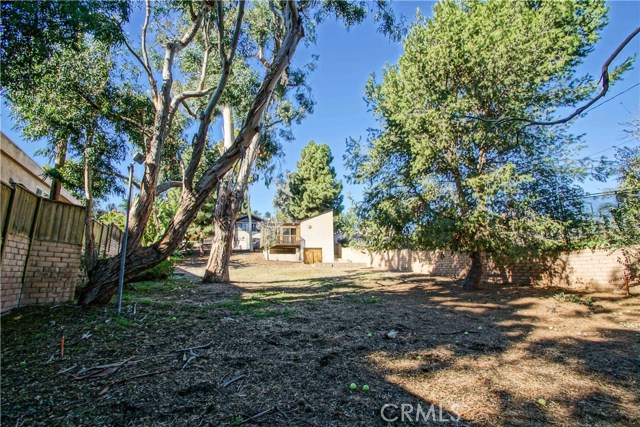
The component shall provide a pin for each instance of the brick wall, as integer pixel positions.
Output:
(598, 269)
(52, 273)
(41, 249)
(11, 271)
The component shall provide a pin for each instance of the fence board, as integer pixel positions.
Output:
(61, 222)
(5, 199)
(79, 232)
(24, 208)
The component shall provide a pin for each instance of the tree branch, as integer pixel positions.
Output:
(145, 56)
(186, 106)
(114, 116)
(604, 77)
(227, 62)
(221, 51)
(254, 116)
(166, 185)
(144, 60)
(276, 12)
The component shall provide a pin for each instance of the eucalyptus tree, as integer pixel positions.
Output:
(290, 103)
(158, 58)
(436, 176)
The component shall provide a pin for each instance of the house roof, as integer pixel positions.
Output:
(306, 219)
(30, 167)
(253, 217)
(317, 215)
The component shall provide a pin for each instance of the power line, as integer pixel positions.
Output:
(598, 152)
(612, 98)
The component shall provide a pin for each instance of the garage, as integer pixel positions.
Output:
(312, 255)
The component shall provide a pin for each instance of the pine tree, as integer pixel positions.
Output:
(313, 188)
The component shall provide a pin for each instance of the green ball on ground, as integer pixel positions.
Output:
(353, 386)
(365, 387)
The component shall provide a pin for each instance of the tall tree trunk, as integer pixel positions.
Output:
(228, 205)
(222, 235)
(61, 159)
(103, 282)
(474, 275)
(89, 242)
(250, 217)
(221, 221)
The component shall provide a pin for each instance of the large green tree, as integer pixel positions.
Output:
(622, 224)
(438, 177)
(312, 188)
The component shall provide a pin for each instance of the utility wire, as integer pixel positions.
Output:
(612, 98)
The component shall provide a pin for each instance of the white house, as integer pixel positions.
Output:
(241, 239)
(310, 240)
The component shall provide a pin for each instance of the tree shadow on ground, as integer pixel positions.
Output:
(504, 355)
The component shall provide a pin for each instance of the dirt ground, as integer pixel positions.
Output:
(281, 345)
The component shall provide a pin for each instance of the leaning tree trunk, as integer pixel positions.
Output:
(474, 275)
(221, 221)
(103, 281)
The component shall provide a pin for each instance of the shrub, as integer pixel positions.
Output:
(162, 271)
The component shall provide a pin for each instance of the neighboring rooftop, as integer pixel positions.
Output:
(16, 166)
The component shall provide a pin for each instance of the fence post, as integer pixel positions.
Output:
(7, 220)
(34, 226)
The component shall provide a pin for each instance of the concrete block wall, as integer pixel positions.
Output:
(596, 270)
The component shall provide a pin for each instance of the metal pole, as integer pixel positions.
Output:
(250, 223)
(123, 248)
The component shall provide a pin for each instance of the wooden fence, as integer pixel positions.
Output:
(108, 239)
(41, 248)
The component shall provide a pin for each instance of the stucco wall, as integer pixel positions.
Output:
(317, 232)
(241, 239)
(282, 257)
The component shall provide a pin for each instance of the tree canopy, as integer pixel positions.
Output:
(436, 178)
(312, 188)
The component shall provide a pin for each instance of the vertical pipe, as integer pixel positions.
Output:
(250, 223)
(123, 248)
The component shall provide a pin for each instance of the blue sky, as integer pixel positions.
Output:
(347, 58)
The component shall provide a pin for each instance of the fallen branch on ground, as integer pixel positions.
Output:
(231, 381)
(124, 380)
(458, 332)
(258, 415)
(103, 370)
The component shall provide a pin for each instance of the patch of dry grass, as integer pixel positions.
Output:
(298, 336)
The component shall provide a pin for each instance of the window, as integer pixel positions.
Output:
(282, 251)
